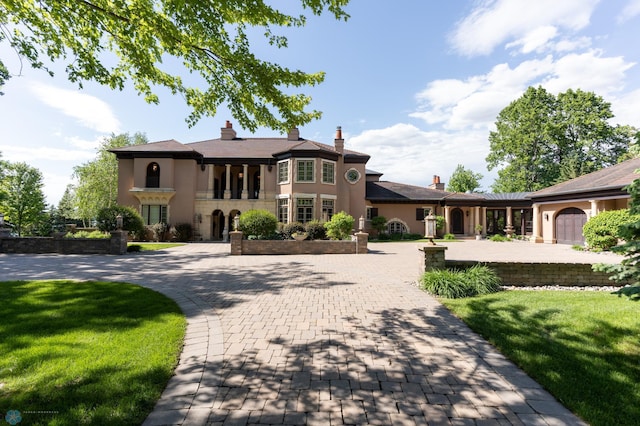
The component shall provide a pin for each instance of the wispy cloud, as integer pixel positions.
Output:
(518, 23)
(17, 153)
(630, 11)
(90, 111)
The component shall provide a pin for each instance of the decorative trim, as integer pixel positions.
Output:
(352, 176)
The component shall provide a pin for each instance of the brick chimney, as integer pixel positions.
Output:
(294, 134)
(339, 142)
(227, 132)
(436, 184)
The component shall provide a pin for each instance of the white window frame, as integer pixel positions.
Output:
(332, 180)
(283, 209)
(283, 165)
(313, 170)
(163, 213)
(312, 206)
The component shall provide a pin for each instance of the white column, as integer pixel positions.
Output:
(263, 193)
(594, 208)
(227, 191)
(536, 237)
(225, 230)
(447, 220)
(245, 181)
(477, 219)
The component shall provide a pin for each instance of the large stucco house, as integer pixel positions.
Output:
(208, 183)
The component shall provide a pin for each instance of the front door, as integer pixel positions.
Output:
(569, 223)
(457, 221)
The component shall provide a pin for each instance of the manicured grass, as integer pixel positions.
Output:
(85, 352)
(155, 246)
(584, 347)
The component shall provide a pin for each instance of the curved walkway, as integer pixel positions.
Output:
(324, 340)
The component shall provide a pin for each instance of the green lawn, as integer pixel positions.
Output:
(584, 347)
(155, 246)
(85, 352)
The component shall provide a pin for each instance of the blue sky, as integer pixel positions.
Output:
(415, 84)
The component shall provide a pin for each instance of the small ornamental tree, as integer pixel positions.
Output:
(629, 269)
(379, 223)
(131, 219)
(602, 231)
(340, 226)
(258, 223)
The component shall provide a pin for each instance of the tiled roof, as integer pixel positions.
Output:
(614, 177)
(170, 145)
(507, 196)
(392, 191)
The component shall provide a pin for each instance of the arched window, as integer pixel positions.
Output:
(396, 227)
(153, 175)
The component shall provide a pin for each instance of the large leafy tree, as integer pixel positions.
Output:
(464, 180)
(98, 179)
(211, 39)
(4, 76)
(542, 139)
(67, 204)
(25, 203)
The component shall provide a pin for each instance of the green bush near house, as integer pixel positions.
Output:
(340, 226)
(379, 223)
(183, 232)
(499, 238)
(449, 237)
(131, 219)
(453, 283)
(258, 223)
(315, 230)
(288, 229)
(87, 234)
(602, 231)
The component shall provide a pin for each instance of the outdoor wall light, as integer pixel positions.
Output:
(430, 228)
(361, 223)
(546, 217)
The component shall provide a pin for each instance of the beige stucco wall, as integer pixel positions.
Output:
(406, 214)
(125, 183)
(184, 182)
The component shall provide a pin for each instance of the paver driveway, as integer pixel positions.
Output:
(333, 339)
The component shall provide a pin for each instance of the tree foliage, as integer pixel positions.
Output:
(464, 180)
(67, 204)
(112, 41)
(98, 179)
(259, 223)
(340, 226)
(542, 139)
(131, 220)
(24, 203)
(4, 76)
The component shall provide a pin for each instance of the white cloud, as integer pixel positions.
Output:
(90, 111)
(476, 101)
(27, 154)
(406, 154)
(626, 107)
(83, 144)
(630, 11)
(536, 39)
(493, 22)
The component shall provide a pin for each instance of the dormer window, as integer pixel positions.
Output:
(153, 175)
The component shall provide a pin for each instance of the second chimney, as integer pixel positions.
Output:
(436, 183)
(227, 132)
(339, 142)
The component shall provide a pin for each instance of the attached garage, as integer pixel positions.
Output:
(569, 223)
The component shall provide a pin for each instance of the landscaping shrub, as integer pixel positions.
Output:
(499, 238)
(453, 283)
(384, 237)
(158, 230)
(340, 226)
(131, 219)
(412, 237)
(379, 223)
(134, 248)
(183, 232)
(449, 237)
(315, 229)
(87, 234)
(288, 229)
(602, 231)
(260, 223)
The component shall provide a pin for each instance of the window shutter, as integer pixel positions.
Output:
(374, 212)
(419, 214)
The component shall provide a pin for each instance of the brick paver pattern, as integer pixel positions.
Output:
(327, 340)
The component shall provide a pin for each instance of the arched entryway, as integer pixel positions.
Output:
(457, 221)
(569, 223)
(217, 225)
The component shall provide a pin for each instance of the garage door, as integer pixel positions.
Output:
(569, 223)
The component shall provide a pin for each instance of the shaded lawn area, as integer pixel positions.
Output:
(584, 347)
(155, 246)
(85, 352)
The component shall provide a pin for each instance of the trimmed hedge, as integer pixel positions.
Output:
(602, 231)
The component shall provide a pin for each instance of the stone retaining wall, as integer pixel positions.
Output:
(117, 244)
(542, 274)
(256, 247)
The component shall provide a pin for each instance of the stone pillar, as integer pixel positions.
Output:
(227, 191)
(236, 243)
(537, 226)
(433, 258)
(225, 230)
(210, 184)
(362, 239)
(245, 182)
(478, 221)
(262, 194)
(447, 220)
(594, 208)
(483, 221)
(118, 244)
(509, 228)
